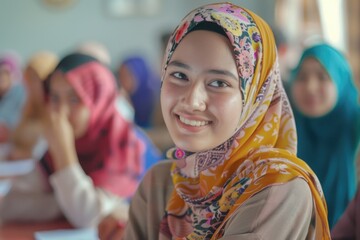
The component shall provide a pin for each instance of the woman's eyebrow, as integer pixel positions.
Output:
(179, 64)
(212, 71)
(223, 72)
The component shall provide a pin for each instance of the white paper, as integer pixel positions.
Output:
(68, 234)
(16, 167)
(5, 186)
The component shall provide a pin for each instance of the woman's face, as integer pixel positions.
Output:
(63, 96)
(200, 96)
(313, 91)
(126, 78)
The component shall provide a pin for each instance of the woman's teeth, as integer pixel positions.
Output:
(193, 123)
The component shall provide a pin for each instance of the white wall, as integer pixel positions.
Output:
(29, 25)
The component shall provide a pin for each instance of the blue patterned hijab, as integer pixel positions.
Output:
(329, 143)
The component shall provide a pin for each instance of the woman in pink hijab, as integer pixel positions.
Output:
(95, 158)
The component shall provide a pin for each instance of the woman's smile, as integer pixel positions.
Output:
(194, 123)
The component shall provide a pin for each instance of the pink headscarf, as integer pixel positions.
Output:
(12, 61)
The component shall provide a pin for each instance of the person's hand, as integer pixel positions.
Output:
(17, 153)
(35, 89)
(111, 228)
(4, 133)
(60, 137)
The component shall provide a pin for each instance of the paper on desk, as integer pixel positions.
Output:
(16, 167)
(5, 186)
(68, 234)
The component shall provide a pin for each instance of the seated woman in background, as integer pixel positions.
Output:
(142, 85)
(95, 158)
(27, 139)
(12, 95)
(327, 116)
(101, 53)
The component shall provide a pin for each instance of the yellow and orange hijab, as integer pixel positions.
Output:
(261, 153)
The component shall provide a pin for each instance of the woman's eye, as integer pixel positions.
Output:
(179, 75)
(74, 100)
(219, 84)
(301, 77)
(53, 98)
(323, 77)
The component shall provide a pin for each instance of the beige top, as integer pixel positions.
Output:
(278, 212)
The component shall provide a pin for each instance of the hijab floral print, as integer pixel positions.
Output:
(261, 153)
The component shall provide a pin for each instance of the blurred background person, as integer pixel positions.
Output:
(95, 49)
(283, 53)
(28, 140)
(327, 115)
(12, 96)
(142, 85)
(101, 53)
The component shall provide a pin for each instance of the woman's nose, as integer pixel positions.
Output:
(311, 84)
(64, 108)
(196, 98)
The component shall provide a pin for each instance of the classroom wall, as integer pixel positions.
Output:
(30, 25)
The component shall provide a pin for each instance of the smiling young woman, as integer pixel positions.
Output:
(234, 173)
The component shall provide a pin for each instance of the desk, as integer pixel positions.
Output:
(25, 231)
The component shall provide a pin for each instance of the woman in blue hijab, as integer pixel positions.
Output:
(12, 95)
(142, 84)
(327, 115)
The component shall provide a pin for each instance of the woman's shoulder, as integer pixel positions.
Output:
(157, 181)
(294, 191)
(163, 164)
(271, 207)
(295, 187)
(287, 196)
(159, 172)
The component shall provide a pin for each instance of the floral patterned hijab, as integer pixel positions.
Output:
(261, 153)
